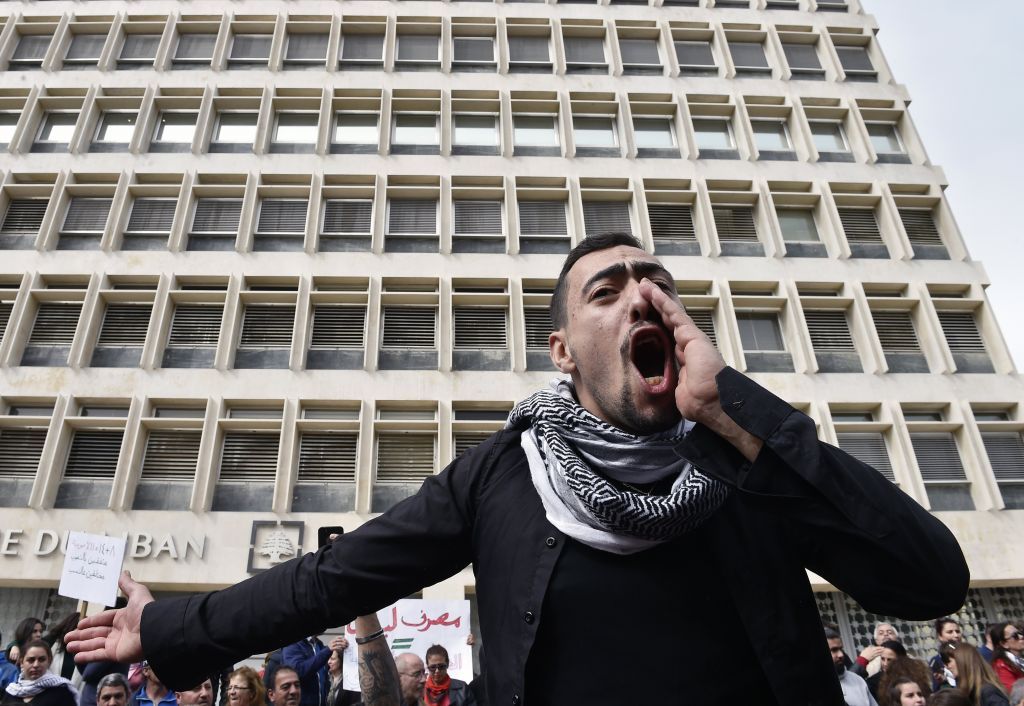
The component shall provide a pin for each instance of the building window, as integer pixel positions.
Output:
(763, 344)
(122, 335)
(1005, 451)
(306, 51)
(30, 52)
(542, 227)
(480, 338)
(415, 133)
(832, 6)
(585, 55)
(114, 132)
(714, 139)
(595, 136)
(749, 58)
(868, 447)
(266, 337)
(535, 134)
(606, 217)
(295, 133)
(942, 471)
(478, 226)
(169, 459)
(234, 132)
(862, 233)
(898, 337)
(412, 225)
(52, 334)
(89, 468)
(737, 231)
(347, 224)
(417, 52)
(799, 233)
(21, 223)
(672, 229)
(22, 438)
(215, 224)
(772, 140)
(923, 234)
(833, 345)
(857, 64)
(475, 134)
(8, 124)
(803, 62)
(338, 337)
(248, 463)
(174, 132)
(55, 132)
(473, 53)
(249, 51)
(84, 223)
(830, 141)
(326, 474)
(281, 225)
(84, 51)
(403, 459)
(529, 54)
(654, 137)
(362, 51)
(194, 51)
(640, 56)
(696, 58)
(149, 225)
(537, 320)
(408, 338)
(965, 342)
(138, 51)
(195, 330)
(356, 133)
(885, 139)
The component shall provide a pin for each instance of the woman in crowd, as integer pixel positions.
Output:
(891, 651)
(1007, 643)
(904, 692)
(28, 629)
(902, 669)
(245, 688)
(36, 685)
(62, 664)
(336, 694)
(975, 678)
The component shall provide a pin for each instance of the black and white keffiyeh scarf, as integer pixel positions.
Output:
(24, 688)
(565, 444)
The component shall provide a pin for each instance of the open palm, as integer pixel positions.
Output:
(113, 635)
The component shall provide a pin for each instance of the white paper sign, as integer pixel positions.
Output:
(413, 625)
(92, 565)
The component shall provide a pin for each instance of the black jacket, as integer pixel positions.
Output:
(801, 504)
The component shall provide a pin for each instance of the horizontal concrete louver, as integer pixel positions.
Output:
(248, 456)
(337, 326)
(412, 217)
(405, 457)
(409, 327)
(24, 217)
(55, 324)
(735, 224)
(705, 321)
(1005, 450)
(93, 454)
(125, 325)
(348, 216)
(463, 441)
(937, 456)
(152, 216)
(538, 327)
(961, 331)
(327, 457)
(282, 216)
(171, 455)
(477, 217)
(869, 448)
(606, 217)
(196, 325)
(479, 328)
(86, 215)
(267, 326)
(829, 330)
(896, 331)
(21, 449)
(217, 216)
(540, 218)
(920, 226)
(860, 225)
(671, 221)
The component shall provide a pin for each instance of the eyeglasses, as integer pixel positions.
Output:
(440, 666)
(415, 675)
(1015, 636)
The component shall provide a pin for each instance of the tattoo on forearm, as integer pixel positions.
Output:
(378, 675)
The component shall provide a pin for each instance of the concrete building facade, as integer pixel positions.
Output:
(267, 264)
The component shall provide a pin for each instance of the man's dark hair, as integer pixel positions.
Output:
(592, 243)
(831, 634)
(940, 622)
(270, 677)
(437, 650)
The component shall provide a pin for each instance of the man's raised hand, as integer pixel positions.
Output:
(113, 635)
(699, 362)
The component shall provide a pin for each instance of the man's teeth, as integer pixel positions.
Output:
(655, 380)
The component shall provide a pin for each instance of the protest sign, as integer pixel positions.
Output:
(92, 565)
(413, 625)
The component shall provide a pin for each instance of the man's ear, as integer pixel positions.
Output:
(561, 356)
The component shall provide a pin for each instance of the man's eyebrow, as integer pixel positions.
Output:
(643, 268)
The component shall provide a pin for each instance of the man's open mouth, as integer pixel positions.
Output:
(650, 353)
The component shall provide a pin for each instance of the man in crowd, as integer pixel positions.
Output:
(153, 692)
(654, 482)
(112, 690)
(412, 675)
(855, 689)
(283, 686)
(308, 657)
(869, 661)
(201, 695)
(441, 688)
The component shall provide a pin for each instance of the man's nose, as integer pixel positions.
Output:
(639, 307)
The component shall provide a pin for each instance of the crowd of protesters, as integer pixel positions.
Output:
(36, 669)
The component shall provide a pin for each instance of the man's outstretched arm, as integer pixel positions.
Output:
(378, 673)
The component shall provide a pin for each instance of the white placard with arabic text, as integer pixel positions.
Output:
(413, 625)
(92, 565)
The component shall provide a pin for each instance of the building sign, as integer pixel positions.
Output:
(16, 542)
(272, 543)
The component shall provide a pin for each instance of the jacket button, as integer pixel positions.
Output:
(551, 541)
(528, 617)
(515, 699)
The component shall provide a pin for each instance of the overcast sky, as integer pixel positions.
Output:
(961, 62)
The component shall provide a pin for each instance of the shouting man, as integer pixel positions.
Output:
(655, 494)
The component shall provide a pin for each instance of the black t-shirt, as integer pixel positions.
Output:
(657, 627)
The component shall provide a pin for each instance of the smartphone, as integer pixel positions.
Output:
(323, 534)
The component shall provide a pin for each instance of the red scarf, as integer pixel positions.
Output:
(437, 693)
